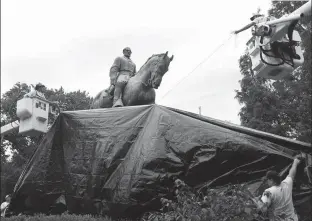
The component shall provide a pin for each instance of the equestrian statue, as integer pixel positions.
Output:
(128, 87)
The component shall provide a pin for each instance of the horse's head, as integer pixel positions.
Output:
(159, 65)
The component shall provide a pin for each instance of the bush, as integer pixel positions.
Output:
(64, 217)
(230, 203)
(227, 203)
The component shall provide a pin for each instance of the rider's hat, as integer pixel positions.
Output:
(126, 49)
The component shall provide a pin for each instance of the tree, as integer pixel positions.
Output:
(23, 147)
(281, 107)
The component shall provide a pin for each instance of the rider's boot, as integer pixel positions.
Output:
(117, 102)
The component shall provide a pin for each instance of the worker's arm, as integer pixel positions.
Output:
(293, 169)
(245, 28)
(263, 202)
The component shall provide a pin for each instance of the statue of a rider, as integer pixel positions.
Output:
(120, 73)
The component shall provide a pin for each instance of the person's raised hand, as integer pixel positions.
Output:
(300, 156)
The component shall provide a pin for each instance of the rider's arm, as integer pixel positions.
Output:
(116, 65)
(245, 28)
(114, 70)
(134, 72)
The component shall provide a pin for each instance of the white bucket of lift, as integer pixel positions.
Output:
(273, 71)
(33, 114)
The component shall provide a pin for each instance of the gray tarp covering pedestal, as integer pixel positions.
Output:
(126, 157)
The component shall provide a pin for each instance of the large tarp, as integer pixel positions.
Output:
(127, 158)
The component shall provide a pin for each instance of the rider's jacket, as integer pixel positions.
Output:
(122, 66)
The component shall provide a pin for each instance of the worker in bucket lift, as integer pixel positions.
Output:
(36, 91)
(278, 47)
(256, 19)
(277, 200)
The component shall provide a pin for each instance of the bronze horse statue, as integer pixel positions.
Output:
(140, 89)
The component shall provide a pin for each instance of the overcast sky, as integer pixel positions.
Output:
(73, 43)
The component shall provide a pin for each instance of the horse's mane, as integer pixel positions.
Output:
(154, 55)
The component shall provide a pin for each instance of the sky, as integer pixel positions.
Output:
(73, 43)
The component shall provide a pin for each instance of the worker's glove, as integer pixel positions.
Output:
(300, 156)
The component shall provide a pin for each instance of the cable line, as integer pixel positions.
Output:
(198, 65)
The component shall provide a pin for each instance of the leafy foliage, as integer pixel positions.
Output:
(63, 217)
(281, 107)
(227, 203)
(280, 8)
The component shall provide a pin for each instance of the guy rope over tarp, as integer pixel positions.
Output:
(124, 160)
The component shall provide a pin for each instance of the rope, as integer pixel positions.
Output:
(198, 66)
